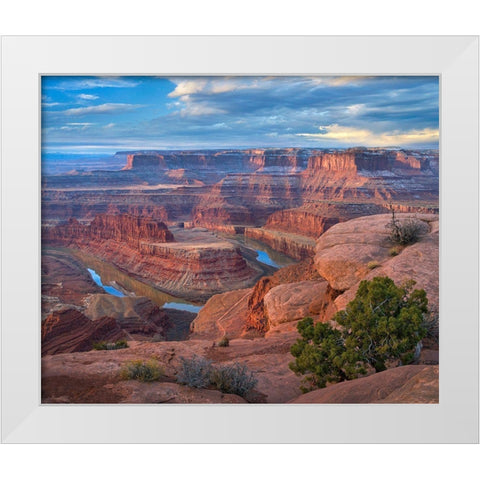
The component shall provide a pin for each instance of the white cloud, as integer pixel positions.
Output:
(103, 108)
(358, 136)
(76, 126)
(356, 109)
(50, 104)
(110, 125)
(86, 96)
(187, 87)
(99, 82)
(211, 86)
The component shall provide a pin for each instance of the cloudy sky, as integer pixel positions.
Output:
(107, 114)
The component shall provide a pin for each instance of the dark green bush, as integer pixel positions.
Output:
(144, 371)
(383, 323)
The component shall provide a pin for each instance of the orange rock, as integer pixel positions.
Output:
(408, 384)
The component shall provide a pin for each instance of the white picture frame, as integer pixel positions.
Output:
(454, 420)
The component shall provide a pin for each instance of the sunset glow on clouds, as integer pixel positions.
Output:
(354, 136)
(115, 113)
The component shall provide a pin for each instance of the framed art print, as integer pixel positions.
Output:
(204, 235)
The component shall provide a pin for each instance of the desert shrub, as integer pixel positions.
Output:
(103, 345)
(373, 264)
(158, 337)
(234, 378)
(121, 344)
(224, 342)
(195, 372)
(145, 371)
(384, 322)
(394, 251)
(404, 232)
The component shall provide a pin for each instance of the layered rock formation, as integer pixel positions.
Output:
(309, 204)
(245, 187)
(314, 218)
(195, 268)
(129, 229)
(68, 330)
(291, 244)
(371, 174)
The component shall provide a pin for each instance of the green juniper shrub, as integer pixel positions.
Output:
(144, 371)
(384, 322)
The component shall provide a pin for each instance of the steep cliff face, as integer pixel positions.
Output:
(313, 219)
(121, 228)
(293, 245)
(372, 175)
(300, 221)
(148, 161)
(288, 160)
(242, 187)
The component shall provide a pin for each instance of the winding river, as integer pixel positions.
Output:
(117, 283)
(108, 288)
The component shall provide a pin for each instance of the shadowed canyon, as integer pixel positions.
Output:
(218, 254)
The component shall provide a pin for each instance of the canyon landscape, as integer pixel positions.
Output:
(190, 274)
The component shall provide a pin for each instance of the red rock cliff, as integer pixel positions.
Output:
(139, 160)
(121, 228)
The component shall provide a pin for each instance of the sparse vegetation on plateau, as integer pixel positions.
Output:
(373, 264)
(404, 232)
(224, 342)
(394, 251)
(383, 323)
(110, 345)
(198, 372)
(234, 378)
(195, 372)
(144, 371)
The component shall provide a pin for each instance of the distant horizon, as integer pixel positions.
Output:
(226, 148)
(95, 114)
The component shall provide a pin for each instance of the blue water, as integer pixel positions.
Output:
(182, 306)
(113, 291)
(109, 289)
(263, 257)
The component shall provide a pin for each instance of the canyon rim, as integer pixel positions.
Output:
(206, 239)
